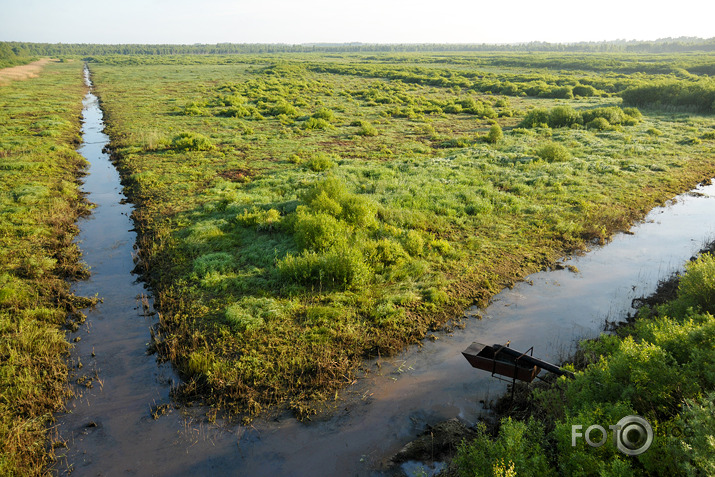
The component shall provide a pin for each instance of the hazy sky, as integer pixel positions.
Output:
(367, 21)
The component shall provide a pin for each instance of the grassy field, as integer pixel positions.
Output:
(299, 213)
(39, 171)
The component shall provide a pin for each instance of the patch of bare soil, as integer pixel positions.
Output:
(22, 72)
(237, 175)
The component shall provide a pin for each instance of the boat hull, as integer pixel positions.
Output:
(485, 357)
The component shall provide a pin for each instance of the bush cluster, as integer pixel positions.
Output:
(698, 96)
(553, 152)
(567, 117)
(324, 228)
(320, 162)
(366, 129)
(658, 368)
(495, 134)
(342, 244)
(190, 141)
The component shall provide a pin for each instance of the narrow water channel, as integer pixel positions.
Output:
(110, 430)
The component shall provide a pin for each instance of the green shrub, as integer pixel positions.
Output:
(535, 118)
(324, 203)
(488, 112)
(510, 89)
(697, 285)
(318, 231)
(563, 117)
(599, 124)
(699, 96)
(584, 90)
(613, 114)
(261, 218)
(331, 196)
(191, 142)
(331, 186)
(495, 134)
(413, 243)
(697, 448)
(340, 267)
(453, 108)
(320, 162)
(194, 109)
(235, 112)
(553, 152)
(389, 252)
(269, 220)
(456, 142)
(358, 211)
(560, 92)
(583, 459)
(366, 129)
(441, 246)
(283, 107)
(633, 113)
(316, 123)
(518, 449)
(324, 114)
(640, 373)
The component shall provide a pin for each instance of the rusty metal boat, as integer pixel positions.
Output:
(504, 361)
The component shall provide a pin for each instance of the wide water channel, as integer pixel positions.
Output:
(110, 430)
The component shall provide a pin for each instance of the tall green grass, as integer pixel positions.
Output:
(39, 203)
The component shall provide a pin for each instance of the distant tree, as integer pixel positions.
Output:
(495, 134)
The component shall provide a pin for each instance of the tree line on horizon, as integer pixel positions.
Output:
(16, 52)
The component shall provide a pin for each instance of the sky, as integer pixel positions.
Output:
(366, 21)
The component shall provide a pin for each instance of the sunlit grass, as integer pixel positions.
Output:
(40, 202)
(299, 216)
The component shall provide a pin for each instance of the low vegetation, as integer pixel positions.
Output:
(40, 201)
(659, 366)
(300, 213)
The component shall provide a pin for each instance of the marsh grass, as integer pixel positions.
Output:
(371, 209)
(40, 201)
